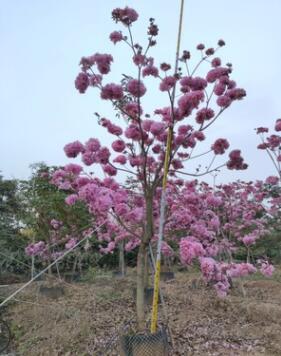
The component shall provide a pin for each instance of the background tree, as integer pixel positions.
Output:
(12, 243)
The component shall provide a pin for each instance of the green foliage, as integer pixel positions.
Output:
(12, 243)
(43, 202)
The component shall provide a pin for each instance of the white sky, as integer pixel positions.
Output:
(43, 41)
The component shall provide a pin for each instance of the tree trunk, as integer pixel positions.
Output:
(140, 289)
(142, 270)
(146, 269)
(121, 259)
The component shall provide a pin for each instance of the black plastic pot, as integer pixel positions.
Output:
(145, 344)
(54, 292)
(167, 276)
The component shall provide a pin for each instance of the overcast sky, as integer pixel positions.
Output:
(43, 41)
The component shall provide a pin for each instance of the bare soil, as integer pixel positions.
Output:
(88, 317)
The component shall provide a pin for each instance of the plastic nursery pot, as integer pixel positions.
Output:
(54, 292)
(145, 344)
(167, 276)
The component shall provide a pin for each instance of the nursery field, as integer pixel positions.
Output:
(89, 316)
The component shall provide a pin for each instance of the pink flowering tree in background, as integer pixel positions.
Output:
(56, 224)
(212, 225)
(271, 144)
(139, 141)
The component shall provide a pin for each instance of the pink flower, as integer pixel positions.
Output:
(92, 145)
(132, 244)
(112, 92)
(150, 70)
(56, 224)
(133, 132)
(132, 109)
(82, 82)
(121, 209)
(121, 159)
(261, 129)
(273, 180)
(136, 161)
(236, 161)
(208, 267)
(95, 80)
(231, 85)
(110, 170)
(249, 239)
(146, 124)
(127, 15)
(221, 43)
(198, 83)
(263, 146)
(200, 46)
(103, 62)
(204, 114)
(216, 73)
(274, 141)
(220, 146)
(199, 135)
(73, 168)
(157, 148)
(157, 127)
(35, 249)
(223, 101)
(166, 249)
(165, 67)
(216, 62)
(116, 36)
(222, 288)
(236, 93)
(88, 158)
(73, 149)
(139, 59)
(81, 181)
(71, 243)
(278, 125)
(71, 199)
(177, 164)
(267, 269)
(180, 139)
(190, 249)
(118, 145)
(114, 129)
(219, 89)
(184, 129)
(103, 155)
(136, 87)
(167, 83)
(136, 214)
(190, 101)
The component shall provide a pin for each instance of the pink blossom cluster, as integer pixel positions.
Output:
(36, 249)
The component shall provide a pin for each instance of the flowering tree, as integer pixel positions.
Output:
(271, 144)
(56, 226)
(140, 138)
(214, 224)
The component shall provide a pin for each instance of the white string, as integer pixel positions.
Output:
(45, 269)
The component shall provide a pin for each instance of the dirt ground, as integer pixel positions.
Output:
(88, 318)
